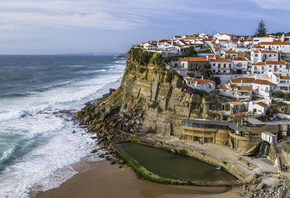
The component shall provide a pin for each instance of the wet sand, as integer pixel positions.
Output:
(104, 180)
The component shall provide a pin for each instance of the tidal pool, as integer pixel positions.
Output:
(167, 164)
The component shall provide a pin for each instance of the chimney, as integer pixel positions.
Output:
(241, 82)
(171, 42)
(202, 77)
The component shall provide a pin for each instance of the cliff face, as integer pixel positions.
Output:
(150, 98)
(166, 103)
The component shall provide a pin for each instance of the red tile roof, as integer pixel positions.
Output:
(230, 52)
(260, 64)
(284, 77)
(268, 51)
(245, 80)
(245, 88)
(252, 80)
(195, 59)
(240, 59)
(275, 43)
(263, 82)
(199, 81)
(220, 60)
(223, 86)
(262, 104)
(276, 62)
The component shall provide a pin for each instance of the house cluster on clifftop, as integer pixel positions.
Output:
(244, 69)
(242, 66)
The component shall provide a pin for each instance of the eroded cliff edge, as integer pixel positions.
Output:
(150, 98)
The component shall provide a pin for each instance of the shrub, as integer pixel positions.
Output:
(287, 96)
(154, 105)
(182, 152)
(278, 94)
(281, 104)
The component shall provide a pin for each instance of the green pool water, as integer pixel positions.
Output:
(167, 164)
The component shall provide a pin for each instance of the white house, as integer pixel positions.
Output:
(259, 86)
(246, 41)
(268, 67)
(283, 82)
(279, 46)
(263, 55)
(258, 108)
(231, 45)
(213, 56)
(240, 65)
(269, 137)
(224, 36)
(258, 48)
(257, 40)
(229, 54)
(206, 85)
(275, 66)
(258, 68)
(222, 42)
(235, 91)
(193, 63)
(221, 66)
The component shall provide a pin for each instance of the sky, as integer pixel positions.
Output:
(99, 26)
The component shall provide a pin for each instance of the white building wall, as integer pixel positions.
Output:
(275, 68)
(257, 40)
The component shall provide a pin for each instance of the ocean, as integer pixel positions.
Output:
(38, 135)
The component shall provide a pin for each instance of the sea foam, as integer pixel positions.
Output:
(41, 142)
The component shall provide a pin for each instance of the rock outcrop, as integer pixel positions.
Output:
(150, 99)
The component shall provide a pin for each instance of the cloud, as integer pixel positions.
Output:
(17, 14)
(116, 14)
(273, 4)
(109, 15)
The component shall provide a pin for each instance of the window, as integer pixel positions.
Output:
(230, 65)
(213, 64)
(213, 70)
(256, 55)
(274, 54)
(219, 65)
(280, 66)
(270, 65)
(225, 65)
(270, 55)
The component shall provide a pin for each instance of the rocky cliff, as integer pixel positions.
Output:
(151, 98)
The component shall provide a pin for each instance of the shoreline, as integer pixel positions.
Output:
(101, 179)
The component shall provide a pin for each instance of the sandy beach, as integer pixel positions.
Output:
(101, 179)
